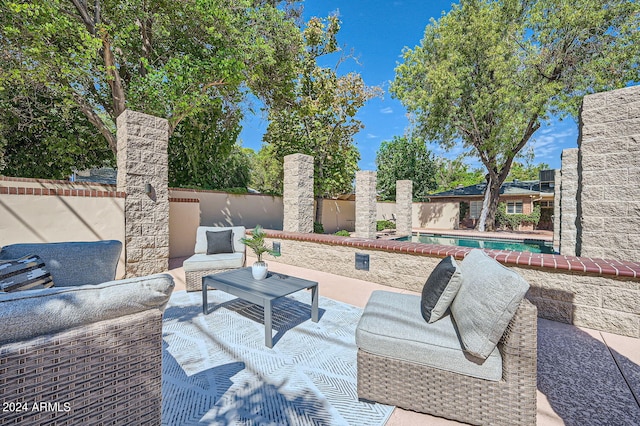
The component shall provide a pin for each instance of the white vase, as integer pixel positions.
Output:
(259, 270)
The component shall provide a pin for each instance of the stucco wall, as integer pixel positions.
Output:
(222, 209)
(434, 215)
(338, 215)
(249, 210)
(184, 219)
(81, 215)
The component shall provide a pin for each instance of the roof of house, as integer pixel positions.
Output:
(522, 187)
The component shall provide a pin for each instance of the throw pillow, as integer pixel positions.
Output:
(219, 242)
(440, 289)
(27, 273)
(486, 302)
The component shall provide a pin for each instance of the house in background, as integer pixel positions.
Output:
(518, 196)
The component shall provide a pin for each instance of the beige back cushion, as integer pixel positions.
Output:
(201, 237)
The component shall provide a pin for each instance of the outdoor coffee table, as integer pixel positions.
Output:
(241, 284)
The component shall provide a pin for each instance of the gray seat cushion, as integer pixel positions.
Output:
(32, 313)
(72, 263)
(487, 300)
(203, 262)
(392, 326)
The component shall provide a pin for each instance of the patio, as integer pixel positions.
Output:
(584, 376)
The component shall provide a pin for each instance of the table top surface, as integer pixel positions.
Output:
(273, 286)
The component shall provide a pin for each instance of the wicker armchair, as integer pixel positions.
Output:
(108, 372)
(82, 354)
(202, 264)
(510, 401)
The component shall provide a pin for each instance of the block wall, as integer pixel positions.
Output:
(297, 195)
(569, 202)
(609, 181)
(404, 207)
(366, 204)
(143, 174)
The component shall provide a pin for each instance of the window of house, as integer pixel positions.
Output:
(474, 209)
(545, 204)
(514, 207)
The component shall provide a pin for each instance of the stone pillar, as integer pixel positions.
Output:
(143, 175)
(557, 201)
(609, 209)
(366, 204)
(297, 194)
(568, 196)
(404, 207)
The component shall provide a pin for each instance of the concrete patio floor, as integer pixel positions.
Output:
(585, 377)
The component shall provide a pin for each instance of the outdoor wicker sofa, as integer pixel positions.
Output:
(89, 349)
(204, 262)
(398, 366)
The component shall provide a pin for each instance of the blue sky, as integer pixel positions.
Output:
(377, 31)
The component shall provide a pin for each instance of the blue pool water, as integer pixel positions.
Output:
(533, 246)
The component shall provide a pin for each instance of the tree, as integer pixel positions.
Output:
(488, 73)
(451, 174)
(266, 171)
(526, 171)
(200, 148)
(405, 158)
(176, 60)
(321, 121)
(35, 146)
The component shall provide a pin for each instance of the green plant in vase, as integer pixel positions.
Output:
(257, 244)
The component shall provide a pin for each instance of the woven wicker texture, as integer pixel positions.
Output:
(104, 373)
(511, 401)
(194, 278)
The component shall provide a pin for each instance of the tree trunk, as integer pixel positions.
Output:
(318, 215)
(487, 220)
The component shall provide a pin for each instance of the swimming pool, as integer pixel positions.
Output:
(532, 246)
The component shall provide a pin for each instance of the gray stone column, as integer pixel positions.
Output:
(143, 175)
(297, 194)
(609, 210)
(404, 207)
(568, 196)
(557, 201)
(366, 204)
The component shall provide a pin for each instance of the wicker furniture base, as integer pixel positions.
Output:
(511, 401)
(194, 278)
(108, 372)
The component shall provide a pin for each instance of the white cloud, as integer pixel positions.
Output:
(386, 110)
(548, 145)
(372, 136)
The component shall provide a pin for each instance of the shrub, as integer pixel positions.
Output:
(385, 224)
(318, 228)
(464, 208)
(513, 221)
(343, 233)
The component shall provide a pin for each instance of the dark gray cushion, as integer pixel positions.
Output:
(487, 300)
(440, 289)
(27, 273)
(32, 313)
(219, 242)
(72, 263)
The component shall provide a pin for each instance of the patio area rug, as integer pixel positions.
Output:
(217, 370)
